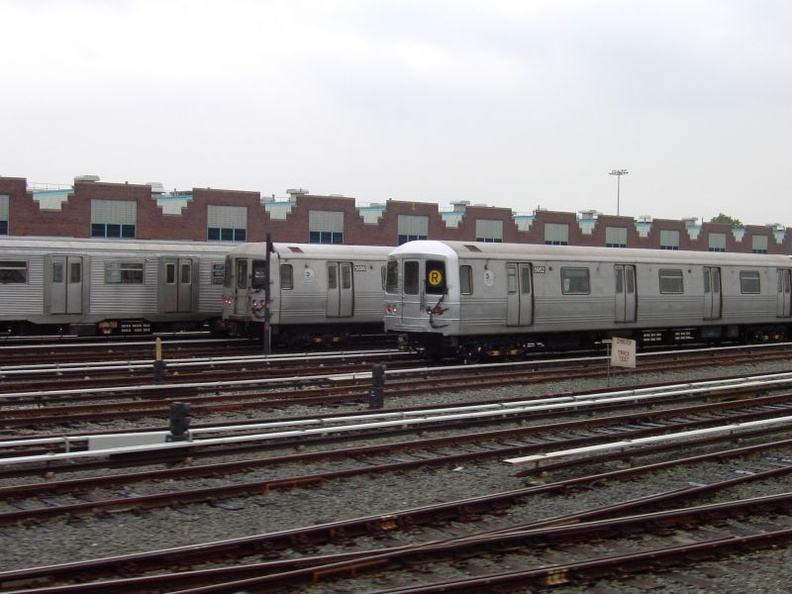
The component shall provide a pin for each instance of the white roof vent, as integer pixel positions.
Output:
(86, 178)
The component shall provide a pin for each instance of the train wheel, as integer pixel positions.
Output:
(470, 354)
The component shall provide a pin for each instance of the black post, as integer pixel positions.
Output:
(159, 364)
(267, 334)
(376, 392)
(179, 421)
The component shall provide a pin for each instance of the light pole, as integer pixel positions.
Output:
(618, 173)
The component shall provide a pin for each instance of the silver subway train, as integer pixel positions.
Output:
(97, 287)
(489, 300)
(318, 293)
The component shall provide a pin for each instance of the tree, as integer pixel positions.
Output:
(731, 221)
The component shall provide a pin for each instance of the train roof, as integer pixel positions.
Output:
(527, 251)
(97, 245)
(313, 250)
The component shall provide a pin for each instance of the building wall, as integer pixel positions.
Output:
(288, 221)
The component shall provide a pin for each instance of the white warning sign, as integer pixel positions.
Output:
(623, 352)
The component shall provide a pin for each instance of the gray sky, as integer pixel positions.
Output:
(510, 103)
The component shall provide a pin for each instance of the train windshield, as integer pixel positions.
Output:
(435, 277)
(392, 276)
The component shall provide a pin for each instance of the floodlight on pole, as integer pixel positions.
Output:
(618, 173)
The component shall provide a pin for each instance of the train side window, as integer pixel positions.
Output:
(259, 274)
(170, 273)
(13, 273)
(411, 283)
(619, 280)
(57, 272)
(575, 281)
(466, 280)
(671, 281)
(241, 274)
(435, 277)
(749, 282)
(287, 276)
(124, 273)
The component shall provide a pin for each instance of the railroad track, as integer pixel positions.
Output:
(277, 382)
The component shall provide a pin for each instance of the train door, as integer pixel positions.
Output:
(519, 294)
(712, 293)
(241, 287)
(176, 287)
(784, 293)
(626, 294)
(340, 290)
(65, 285)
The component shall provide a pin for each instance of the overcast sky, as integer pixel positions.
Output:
(518, 104)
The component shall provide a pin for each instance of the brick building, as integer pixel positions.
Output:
(93, 208)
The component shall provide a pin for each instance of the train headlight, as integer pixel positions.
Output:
(391, 309)
(227, 301)
(259, 304)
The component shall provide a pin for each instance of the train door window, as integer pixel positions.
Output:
(75, 272)
(435, 277)
(346, 277)
(332, 276)
(57, 272)
(259, 274)
(186, 273)
(630, 270)
(671, 281)
(392, 276)
(411, 278)
(241, 274)
(466, 280)
(575, 281)
(13, 273)
(511, 280)
(619, 280)
(525, 279)
(749, 282)
(170, 273)
(716, 280)
(287, 276)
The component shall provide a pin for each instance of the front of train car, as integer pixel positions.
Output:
(422, 295)
(244, 289)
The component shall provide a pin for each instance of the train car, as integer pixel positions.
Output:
(318, 293)
(487, 300)
(107, 287)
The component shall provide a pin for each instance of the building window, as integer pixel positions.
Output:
(759, 244)
(671, 281)
(123, 273)
(489, 230)
(749, 282)
(13, 272)
(226, 223)
(616, 237)
(556, 233)
(717, 242)
(412, 228)
(669, 239)
(325, 226)
(113, 219)
(4, 215)
(575, 281)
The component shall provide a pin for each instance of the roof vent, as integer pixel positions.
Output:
(86, 178)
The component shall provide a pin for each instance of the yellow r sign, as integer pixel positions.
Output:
(435, 277)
